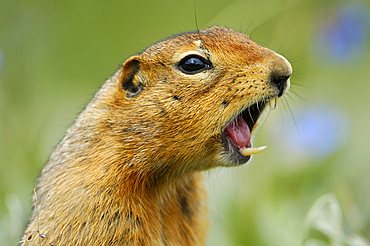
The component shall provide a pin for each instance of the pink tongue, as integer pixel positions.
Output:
(239, 133)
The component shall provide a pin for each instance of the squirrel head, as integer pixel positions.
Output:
(190, 101)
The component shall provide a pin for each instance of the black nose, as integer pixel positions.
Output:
(281, 70)
(280, 82)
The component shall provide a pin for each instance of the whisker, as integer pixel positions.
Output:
(195, 17)
(287, 106)
(250, 115)
(293, 92)
(248, 27)
(291, 96)
(265, 118)
(300, 85)
(259, 26)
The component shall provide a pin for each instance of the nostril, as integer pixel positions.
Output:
(280, 82)
(281, 70)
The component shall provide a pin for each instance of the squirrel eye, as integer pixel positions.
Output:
(193, 64)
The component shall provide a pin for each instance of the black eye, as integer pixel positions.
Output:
(194, 64)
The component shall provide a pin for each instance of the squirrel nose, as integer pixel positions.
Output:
(281, 70)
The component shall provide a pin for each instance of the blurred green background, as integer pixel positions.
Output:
(55, 54)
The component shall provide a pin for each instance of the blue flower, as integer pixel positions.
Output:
(319, 131)
(342, 36)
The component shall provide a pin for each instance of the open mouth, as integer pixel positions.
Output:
(237, 135)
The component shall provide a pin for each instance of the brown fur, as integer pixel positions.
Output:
(127, 171)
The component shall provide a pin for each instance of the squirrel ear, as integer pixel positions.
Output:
(129, 77)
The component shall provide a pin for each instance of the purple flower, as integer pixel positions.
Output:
(318, 133)
(342, 35)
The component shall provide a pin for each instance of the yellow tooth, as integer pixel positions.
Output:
(251, 150)
(273, 106)
(270, 104)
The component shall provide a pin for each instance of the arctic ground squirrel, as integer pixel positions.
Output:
(129, 170)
